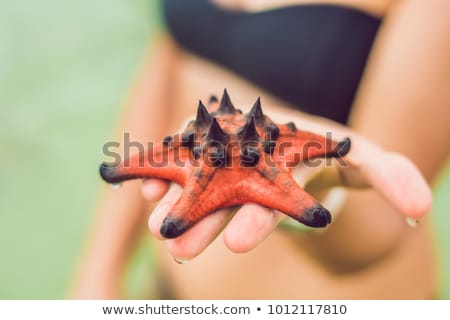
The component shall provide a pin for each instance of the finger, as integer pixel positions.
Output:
(162, 209)
(394, 176)
(191, 243)
(399, 181)
(154, 189)
(250, 226)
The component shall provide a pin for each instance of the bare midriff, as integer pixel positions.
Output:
(374, 7)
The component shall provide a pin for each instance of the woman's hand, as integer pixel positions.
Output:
(366, 166)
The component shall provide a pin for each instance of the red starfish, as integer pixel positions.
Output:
(225, 158)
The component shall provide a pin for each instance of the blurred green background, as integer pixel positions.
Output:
(65, 68)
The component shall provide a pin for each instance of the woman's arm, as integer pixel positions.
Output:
(121, 214)
(404, 99)
(403, 105)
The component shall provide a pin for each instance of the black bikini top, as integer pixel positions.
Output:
(311, 56)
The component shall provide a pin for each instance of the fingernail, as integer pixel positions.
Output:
(412, 222)
(180, 261)
(156, 218)
(161, 208)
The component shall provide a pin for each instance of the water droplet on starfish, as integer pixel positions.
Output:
(180, 261)
(116, 186)
(412, 222)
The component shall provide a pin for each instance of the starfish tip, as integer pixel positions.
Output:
(317, 217)
(343, 147)
(172, 228)
(108, 172)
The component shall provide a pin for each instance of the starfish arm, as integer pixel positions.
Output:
(294, 146)
(203, 194)
(274, 188)
(161, 162)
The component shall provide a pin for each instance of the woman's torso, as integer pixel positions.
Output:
(312, 55)
(279, 267)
